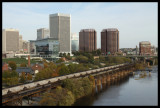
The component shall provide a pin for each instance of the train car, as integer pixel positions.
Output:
(88, 72)
(70, 76)
(83, 73)
(62, 78)
(77, 74)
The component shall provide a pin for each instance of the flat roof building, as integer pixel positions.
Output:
(42, 33)
(48, 47)
(87, 40)
(109, 41)
(144, 48)
(59, 25)
(10, 40)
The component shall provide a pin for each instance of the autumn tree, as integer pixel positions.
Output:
(22, 78)
(23, 65)
(58, 97)
(29, 76)
(12, 64)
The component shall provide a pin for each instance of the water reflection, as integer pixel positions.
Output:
(127, 91)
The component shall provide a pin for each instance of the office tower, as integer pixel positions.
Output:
(144, 48)
(42, 33)
(60, 30)
(10, 41)
(20, 42)
(109, 41)
(74, 42)
(87, 40)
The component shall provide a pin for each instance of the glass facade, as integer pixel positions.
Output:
(48, 47)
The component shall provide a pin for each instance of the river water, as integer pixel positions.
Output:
(132, 91)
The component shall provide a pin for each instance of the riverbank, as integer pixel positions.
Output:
(127, 92)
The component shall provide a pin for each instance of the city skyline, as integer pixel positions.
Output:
(138, 21)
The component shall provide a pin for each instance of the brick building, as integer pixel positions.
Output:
(37, 67)
(4, 66)
(87, 40)
(109, 41)
(145, 48)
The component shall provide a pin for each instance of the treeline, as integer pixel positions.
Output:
(18, 60)
(67, 94)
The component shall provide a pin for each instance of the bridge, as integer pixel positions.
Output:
(150, 59)
(14, 95)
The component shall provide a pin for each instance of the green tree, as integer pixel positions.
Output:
(82, 59)
(72, 68)
(63, 70)
(60, 55)
(12, 64)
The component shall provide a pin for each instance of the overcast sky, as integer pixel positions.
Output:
(135, 21)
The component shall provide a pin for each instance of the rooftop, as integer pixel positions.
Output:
(110, 29)
(87, 30)
(24, 69)
(60, 14)
(145, 42)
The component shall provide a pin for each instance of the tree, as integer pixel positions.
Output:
(12, 64)
(60, 55)
(60, 60)
(64, 54)
(63, 70)
(58, 97)
(22, 78)
(82, 59)
(72, 68)
(23, 65)
(29, 77)
(96, 62)
(10, 77)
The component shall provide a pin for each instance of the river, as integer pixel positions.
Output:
(133, 91)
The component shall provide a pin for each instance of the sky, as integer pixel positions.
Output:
(136, 22)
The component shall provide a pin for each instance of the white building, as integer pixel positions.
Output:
(60, 29)
(10, 40)
(42, 33)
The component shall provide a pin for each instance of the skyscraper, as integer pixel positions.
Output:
(42, 33)
(60, 29)
(87, 40)
(10, 40)
(109, 41)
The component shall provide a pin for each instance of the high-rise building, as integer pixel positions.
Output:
(87, 40)
(10, 40)
(60, 29)
(20, 42)
(109, 41)
(42, 33)
(74, 42)
(144, 48)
